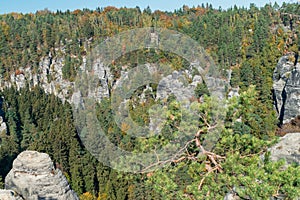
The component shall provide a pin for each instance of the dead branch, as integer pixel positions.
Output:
(183, 154)
(202, 180)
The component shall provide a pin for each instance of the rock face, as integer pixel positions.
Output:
(9, 195)
(287, 148)
(34, 177)
(49, 76)
(177, 84)
(3, 127)
(286, 87)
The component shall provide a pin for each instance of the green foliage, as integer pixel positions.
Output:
(1, 183)
(201, 89)
(247, 40)
(242, 169)
(41, 122)
(235, 77)
(70, 67)
(260, 123)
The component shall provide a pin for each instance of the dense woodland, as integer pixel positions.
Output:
(249, 41)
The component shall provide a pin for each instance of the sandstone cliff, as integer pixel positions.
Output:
(286, 87)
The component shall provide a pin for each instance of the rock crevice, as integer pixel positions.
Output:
(286, 87)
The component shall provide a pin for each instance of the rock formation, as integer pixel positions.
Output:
(34, 177)
(49, 76)
(177, 84)
(3, 126)
(9, 195)
(286, 88)
(288, 148)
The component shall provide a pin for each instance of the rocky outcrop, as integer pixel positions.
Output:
(34, 177)
(49, 76)
(288, 148)
(9, 195)
(231, 196)
(183, 83)
(3, 126)
(286, 86)
(177, 84)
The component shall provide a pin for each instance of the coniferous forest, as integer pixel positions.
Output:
(247, 41)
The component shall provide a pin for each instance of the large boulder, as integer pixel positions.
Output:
(288, 148)
(33, 177)
(286, 85)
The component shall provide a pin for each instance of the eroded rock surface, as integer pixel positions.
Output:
(286, 85)
(288, 148)
(33, 177)
(9, 195)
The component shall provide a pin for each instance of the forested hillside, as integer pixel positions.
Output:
(247, 41)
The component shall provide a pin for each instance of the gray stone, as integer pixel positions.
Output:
(49, 76)
(177, 84)
(288, 148)
(292, 88)
(3, 126)
(216, 86)
(286, 85)
(231, 196)
(33, 176)
(9, 195)
(234, 92)
(196, 79)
